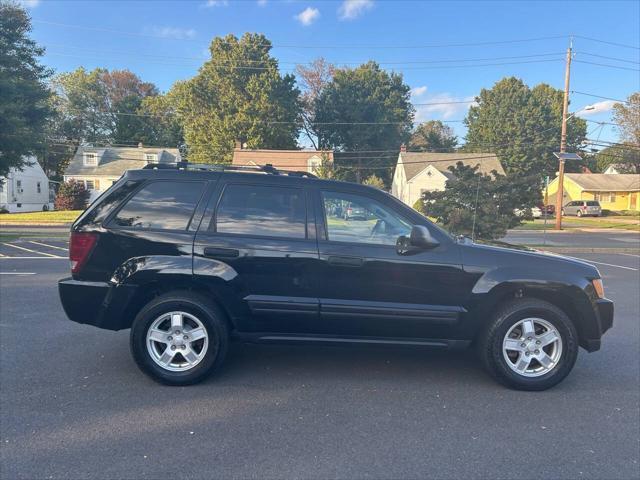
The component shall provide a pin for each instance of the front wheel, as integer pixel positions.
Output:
(530, 345)
(179, 338)
(579, 213)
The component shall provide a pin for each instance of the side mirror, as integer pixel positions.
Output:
(419, 239)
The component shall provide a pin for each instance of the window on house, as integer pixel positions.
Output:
(19, 186)
(90, 159)
(89, 185)
(151, 157)
(38, 187)
(612, 197)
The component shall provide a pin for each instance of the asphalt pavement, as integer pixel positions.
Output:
(569, 238)
(74, 405)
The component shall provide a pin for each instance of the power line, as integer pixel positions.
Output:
(623, 45)
(608, 65)
(277, 45)
(635, 62)
(598, 96)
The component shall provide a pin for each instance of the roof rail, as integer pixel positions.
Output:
(216, 167)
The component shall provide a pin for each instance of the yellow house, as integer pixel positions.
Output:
(613, 191)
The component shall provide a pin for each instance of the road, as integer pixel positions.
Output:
(74, 405)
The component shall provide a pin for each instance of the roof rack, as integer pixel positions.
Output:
(216, 167)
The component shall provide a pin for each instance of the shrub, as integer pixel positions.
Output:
(374, 181)
(72, 196)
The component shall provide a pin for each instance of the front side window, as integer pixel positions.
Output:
(161, 205)
(358, 219)
(262, 210)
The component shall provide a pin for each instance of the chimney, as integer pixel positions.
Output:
(140, 145)
(238, 144)
(403, 148)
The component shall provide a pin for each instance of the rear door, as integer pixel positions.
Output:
(257, 250)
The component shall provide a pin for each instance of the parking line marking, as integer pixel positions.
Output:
(34, 258)
(47, 245)
(17, 273)
(602, 263)
(629, 254)
(31, 251)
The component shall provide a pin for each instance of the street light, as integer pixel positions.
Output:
(561, 156)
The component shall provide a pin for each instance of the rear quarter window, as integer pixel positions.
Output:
(160, 205)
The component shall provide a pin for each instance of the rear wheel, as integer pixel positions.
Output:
(530, 345)
(179, 338)
(579, 213)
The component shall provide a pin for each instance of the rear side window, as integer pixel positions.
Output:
(591, 203)
(161, 205)
(262, 210)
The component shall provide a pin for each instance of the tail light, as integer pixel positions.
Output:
(80, 247)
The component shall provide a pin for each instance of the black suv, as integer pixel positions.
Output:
(190, 257)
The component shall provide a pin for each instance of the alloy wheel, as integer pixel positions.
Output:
(177, 341)
(532, 347)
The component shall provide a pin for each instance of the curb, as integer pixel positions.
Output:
(544, 248)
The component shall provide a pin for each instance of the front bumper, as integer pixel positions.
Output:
(604, 320)
(96, 303)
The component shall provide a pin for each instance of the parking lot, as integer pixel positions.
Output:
(74, 405)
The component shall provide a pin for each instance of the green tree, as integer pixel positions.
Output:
(313, 79)
(433, 136)
(627, 116)
(522, 126)
(364, 109)
(101, 106)
(374, 181)
(24, 96)
(162, 125)
(479, 205)
(625, 157)
(238, 94)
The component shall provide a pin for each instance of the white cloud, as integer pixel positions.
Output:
(262, 3)
(216, 3)
(418, 91)
(442, 106)
(29, 3)
(351, 9)
(308, 16)
(173, 32)
(598, 107)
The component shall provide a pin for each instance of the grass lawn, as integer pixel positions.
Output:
(571, 223)
(40, 218)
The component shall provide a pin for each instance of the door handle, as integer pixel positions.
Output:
(217, 252)
(340, 261)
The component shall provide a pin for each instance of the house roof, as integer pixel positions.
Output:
(284, 159)
(114, 161)
(416, 162)
(605, 182)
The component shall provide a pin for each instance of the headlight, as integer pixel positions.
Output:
(598, 287)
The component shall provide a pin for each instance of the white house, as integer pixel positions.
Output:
(99, 167)
(418, 172)
(25, 190)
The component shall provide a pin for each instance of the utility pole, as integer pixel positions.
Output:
(563, 139)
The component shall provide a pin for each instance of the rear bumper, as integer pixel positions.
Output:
(96, 303)
(604, 317)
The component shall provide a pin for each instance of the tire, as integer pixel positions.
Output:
(579, 214)
(563, 213)
(508, 320)
(198, 315)
(45, 208)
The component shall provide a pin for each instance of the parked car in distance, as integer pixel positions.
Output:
(547, 209)
(535, 212)
(355, 212)
(582, 208)
(193, 257)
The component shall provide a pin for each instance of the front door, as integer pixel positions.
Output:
(367, 288)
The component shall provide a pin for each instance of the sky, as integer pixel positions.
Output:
(447, 51)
